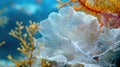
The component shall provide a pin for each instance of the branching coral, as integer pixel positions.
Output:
(73, 37)
(27, 42)
(48, 63)
(45, 63)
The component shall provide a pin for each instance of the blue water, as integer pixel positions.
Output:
(21, 10)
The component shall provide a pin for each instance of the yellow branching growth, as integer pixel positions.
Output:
(45, 63)
(2, 43)
(27, 42)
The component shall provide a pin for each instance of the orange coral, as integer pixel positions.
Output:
(96, 6)
(87, 6)
(100, 8)
(107, 9)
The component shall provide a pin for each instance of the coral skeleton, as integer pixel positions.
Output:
(27, 43)
(73, 37)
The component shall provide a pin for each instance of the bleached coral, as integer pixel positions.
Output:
(74, 37)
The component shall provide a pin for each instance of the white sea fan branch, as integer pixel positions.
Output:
(73, 37)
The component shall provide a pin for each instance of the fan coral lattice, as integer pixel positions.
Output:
(74, 37)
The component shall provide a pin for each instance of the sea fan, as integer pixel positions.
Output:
(74, 37)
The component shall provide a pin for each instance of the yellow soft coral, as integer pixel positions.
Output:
(27, 42)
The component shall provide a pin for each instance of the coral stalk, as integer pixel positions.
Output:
(27, 42)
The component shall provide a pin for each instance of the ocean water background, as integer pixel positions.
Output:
(21, 10)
